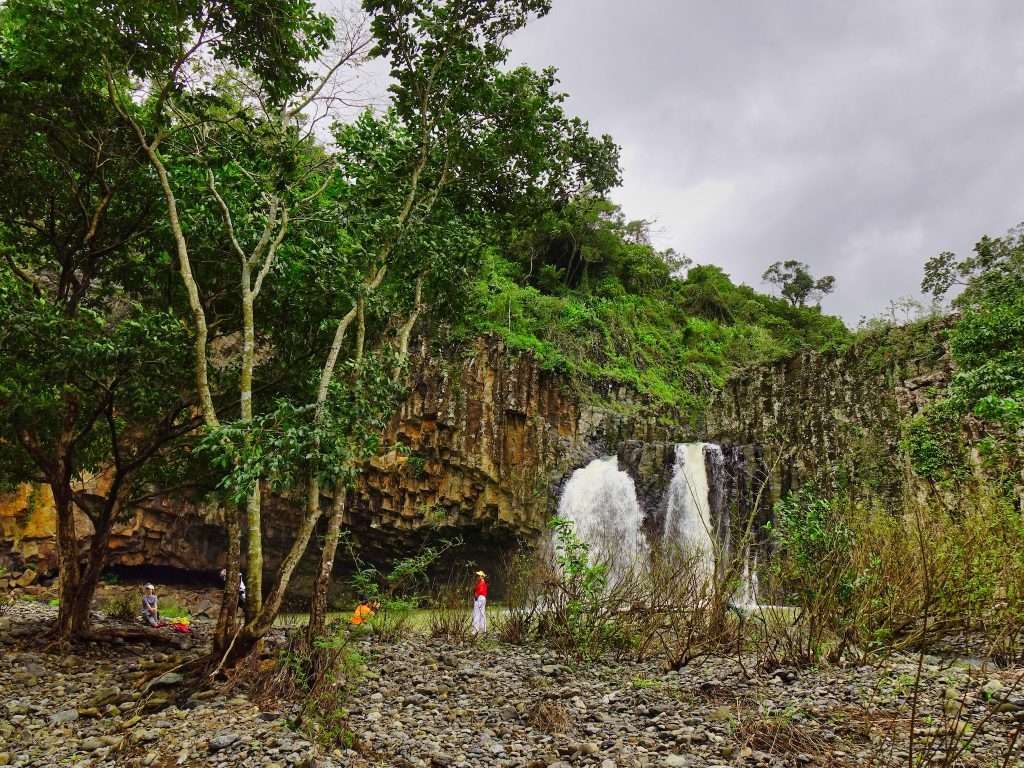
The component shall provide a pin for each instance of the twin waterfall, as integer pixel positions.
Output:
(695, 513)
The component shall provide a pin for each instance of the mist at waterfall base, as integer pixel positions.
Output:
(601, 500)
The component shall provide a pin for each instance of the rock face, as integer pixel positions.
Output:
(486, 438)
(478, 450)
(835, 417)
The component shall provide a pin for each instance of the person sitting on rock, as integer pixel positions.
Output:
(150, 609)
(363, 612)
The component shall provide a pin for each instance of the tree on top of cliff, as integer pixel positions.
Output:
(796, 283)
(987, 342)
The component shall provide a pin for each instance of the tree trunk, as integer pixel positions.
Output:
(260, 624)
(68, 564)
(322, 583)
(81, 601)
(229, 600)
(254, 553)
(254, 538)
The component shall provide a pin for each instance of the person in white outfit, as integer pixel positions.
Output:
(480, 604)
(241, 591)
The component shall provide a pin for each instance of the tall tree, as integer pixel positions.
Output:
(796, 283)
(90, 352)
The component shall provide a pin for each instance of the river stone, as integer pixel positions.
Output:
(92, 743)
(167, 680)
(991, 688)
(65, 716)
(222, 741)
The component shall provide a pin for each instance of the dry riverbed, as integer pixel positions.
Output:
(422, 702)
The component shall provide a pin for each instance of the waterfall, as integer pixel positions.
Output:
(707, 508)
(746, 593)
(688, 515)
(703, 489)
(601, 500)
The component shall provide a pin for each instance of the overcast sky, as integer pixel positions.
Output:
(859, 137)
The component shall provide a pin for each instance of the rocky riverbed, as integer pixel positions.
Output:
(424, 702)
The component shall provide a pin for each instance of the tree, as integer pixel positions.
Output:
(90, 352)
(796, 283)
(464, 146)
(302, 272)
(987, 339)
(72, 52)
(456, 139)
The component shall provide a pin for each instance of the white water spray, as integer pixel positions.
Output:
(601, 500)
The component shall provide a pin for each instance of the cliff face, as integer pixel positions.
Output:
(835, 417)
(483, 443)
(478, 450)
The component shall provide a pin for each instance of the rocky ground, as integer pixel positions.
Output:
(424, 702)
(93, 707)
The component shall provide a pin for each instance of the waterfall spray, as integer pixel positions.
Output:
(601, 500)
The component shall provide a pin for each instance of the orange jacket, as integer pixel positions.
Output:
(362, 613)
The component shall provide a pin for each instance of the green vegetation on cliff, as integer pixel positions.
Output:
(986, 341)
(587, 292)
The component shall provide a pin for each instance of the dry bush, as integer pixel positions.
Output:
(684, 612)
(781, 736)
(549, 716)
(321, 679)
(451, 617)
(667, 604)
(526, 572)
(589, 607)
(944, 733)
(983, 548)
(864, 582)
(394, 620)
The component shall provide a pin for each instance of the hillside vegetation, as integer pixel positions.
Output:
(588, 293)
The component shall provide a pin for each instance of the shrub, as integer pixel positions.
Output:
(584, 611)
(125, 606)
(525, 575)
(322, 679)
(398, 592)
(172, 610)
(450, 618)
(865, 582)
(684, 612)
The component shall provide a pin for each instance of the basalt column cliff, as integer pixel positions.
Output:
(477, 450)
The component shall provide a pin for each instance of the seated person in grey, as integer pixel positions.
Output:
(150, 610)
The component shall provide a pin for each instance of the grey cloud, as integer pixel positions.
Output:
(859, 137)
